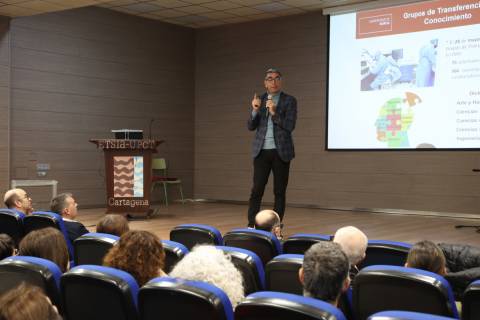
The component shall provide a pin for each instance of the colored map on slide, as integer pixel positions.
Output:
(394, 120)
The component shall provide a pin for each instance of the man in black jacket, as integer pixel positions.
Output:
(273, 117)
(463, 266)
(65, 205)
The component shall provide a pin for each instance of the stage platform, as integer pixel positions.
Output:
(398, 227)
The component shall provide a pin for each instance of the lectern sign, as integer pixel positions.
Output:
(128, 177)
(128, 174)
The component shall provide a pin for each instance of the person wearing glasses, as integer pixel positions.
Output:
(273, 117)
(18, 200)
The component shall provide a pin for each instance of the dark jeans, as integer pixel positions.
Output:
(266, 161)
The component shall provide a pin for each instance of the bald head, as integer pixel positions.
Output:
(266, 220)
(18, 199)
(353, 242)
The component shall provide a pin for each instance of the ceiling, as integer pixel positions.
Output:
(189, 13)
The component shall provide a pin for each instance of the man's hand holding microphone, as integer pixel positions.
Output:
(256, 103)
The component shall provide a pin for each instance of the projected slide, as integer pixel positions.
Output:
(405, 77)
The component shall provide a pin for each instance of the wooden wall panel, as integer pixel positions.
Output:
(5, 48)
(230, 61)
(78, 74)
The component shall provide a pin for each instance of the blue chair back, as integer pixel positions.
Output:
(250, 266)
(174, 252)
(401, 288)
(44, 219)
(281, 274)
(264, 244)
(99, 293)
(405, 315)
(32, 270)
(11, 223)
(301, 242)
(192, 234)
(170, 298)
(471, 301)
(385, 252)
(92, 247)
(270, 305)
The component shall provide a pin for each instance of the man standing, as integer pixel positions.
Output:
(273, 116)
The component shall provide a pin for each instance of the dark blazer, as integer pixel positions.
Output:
(283, 125)
(74, 229)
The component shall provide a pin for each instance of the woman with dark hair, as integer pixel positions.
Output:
(47, 243)
(27, 302)
(7, 246)
(139, 253)
(115, 224)
(426, 255)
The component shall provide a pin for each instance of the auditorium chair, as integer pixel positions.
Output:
(249, 265)
(281, 274)
(471, 302)
(263, 243)
(381, 287)
(169, 298)
(99, 293)
(301, 242)
(39, 272)
(174, 252)
(269, 305)
(405, 315)
(11, 223)
(90, 248)
(192, 234)
(385, 252)
(44, 219)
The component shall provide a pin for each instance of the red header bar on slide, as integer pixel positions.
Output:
(423, 16)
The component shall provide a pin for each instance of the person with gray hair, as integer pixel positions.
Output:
(354, 243)
(65, 205)
(209, 264)
(269, 220)
(324, 273)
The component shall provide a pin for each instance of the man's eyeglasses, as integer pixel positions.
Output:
(26, 196)
(270, 79)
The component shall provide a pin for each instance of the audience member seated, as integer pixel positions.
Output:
(269, 220)
(324, 273)
(27, 302)
(47, 243)
(209, 264)
(463, 266)
(354, 243)
(65, 205)
(7, 246)
(139, 253)
(18, 199)
(426, 255)
(115, 224)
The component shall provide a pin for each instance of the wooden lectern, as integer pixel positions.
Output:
(128, 174)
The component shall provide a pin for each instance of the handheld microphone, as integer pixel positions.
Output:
(269, 97)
